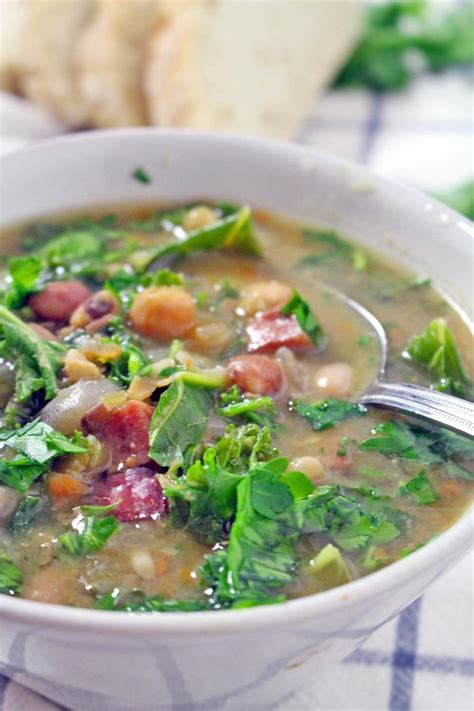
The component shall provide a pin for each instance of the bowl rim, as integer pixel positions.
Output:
(451, 544)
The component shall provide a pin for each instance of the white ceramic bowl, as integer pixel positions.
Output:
(232, 659)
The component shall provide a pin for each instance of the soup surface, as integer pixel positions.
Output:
(179, 417)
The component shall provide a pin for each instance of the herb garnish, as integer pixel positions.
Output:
(327, 413)
(141, 176)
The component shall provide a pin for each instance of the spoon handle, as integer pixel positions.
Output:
(431, 405)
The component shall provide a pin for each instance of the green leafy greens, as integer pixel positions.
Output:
(400, 440)
(303, 313)
(33, 448)
(420, 489)
(36, 362)
(353, 518)
(327, 413)
(261, 556)
(93, 530)
(435, 350)
(260, 410)
(232, 231)
(205, 497)
(11, 577)
(179, 422)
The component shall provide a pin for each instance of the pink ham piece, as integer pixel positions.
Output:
(124, 429)
(136, 492)
(272, 330)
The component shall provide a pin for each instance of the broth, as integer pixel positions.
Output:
(356, 506)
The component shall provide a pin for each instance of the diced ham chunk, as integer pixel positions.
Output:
(59, 299)
(272, 330)
(125, 431)
(257, 374)
(136, 492)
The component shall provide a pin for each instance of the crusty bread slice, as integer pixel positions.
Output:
(110, 61)
(12, 14)
(246, 65)
(45, 55)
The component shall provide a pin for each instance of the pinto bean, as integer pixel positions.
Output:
(58, 300)
(163, 312)
(257, 374)
(94, 313)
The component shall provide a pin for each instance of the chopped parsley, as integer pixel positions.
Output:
(141, 176)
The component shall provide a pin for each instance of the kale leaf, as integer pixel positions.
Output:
(260, 410)
(35, 446)
(327, 413)
(178, 422)
(352, 517)
(397, 439)
(24, 277)
(303, 313)
(10, 576)
(204, 499)
(232, 231)
(36, 362)
(136, 601)
(261, 556)
(420, 489)
(91, 534)
(435, 350)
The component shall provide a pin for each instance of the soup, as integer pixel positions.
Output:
(179, 420)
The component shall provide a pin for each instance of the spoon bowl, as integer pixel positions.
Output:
(435, 407)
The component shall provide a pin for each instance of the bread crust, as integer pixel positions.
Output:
(111, 59)
(45, 69)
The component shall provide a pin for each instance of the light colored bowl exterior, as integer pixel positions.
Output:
(248, 659)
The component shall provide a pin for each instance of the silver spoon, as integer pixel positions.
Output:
(430, 405)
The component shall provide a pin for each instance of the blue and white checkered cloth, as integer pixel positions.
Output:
(424, 659)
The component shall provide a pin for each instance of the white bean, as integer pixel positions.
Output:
(311, 466)
(143, 564)
(334, 379)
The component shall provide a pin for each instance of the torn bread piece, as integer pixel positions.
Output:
(253, 66)
(12, 14)
(46, 49)
(110, 61)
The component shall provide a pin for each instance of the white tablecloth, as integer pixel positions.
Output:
(424, 659)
